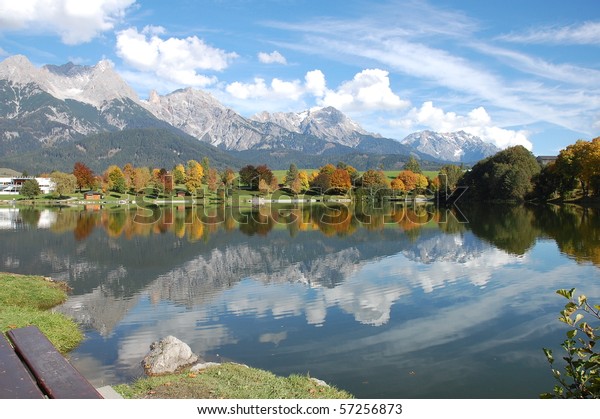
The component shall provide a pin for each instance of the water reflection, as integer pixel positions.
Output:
(407, 298)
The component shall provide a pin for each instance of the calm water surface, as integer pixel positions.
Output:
(399, 302)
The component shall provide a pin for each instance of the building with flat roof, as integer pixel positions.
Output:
(13, 185)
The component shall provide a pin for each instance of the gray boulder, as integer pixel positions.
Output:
(167, 356)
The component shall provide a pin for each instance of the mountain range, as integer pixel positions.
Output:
(52, 116)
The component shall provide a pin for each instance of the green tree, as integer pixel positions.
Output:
(580, 375)
(205, 168)
(449, 176)
(291, 175)
(413, 165)
(30, 188)
(64, 183)
(179, 174)
(115, 179)
(507, 175)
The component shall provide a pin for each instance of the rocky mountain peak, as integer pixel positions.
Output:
(17, 69)
(458, 146)
(93, 85)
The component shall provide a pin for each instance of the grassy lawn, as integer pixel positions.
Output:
(229, 381)
(25, 300)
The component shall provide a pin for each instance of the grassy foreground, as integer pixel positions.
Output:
(25, 300)
(229, 381)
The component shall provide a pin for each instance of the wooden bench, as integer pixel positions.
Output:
(31, 367)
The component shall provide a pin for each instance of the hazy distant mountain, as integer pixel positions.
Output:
(453, 146)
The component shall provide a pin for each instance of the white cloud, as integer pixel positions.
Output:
(315, 83)
(75, 21)
(260, 90)
(368, 90)
(174, 59)
(271, 58)
(587, 33)
(477, 122)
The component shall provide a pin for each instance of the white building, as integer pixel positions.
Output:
(12, 185)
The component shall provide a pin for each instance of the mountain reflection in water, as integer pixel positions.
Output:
(402, 301)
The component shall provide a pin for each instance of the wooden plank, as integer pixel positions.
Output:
(54, 374)
(15, 380)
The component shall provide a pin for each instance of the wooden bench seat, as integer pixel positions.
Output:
(15, 380)
(54, 375)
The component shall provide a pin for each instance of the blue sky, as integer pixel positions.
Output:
(511, 72)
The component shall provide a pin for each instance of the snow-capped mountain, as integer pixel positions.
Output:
(451, 146)
(43, 107)
(326, 123)
(94, 85)
(202, 116)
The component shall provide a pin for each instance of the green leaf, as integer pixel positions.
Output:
(578, 317)
(567, 294)
(548, 353)
(571, 333)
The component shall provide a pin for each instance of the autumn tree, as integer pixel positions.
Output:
(128, 170)
(340, 181)
(141, 178)
(580, 162)
(84, 176)
(397, 185)
(422, 183)
(374, 179)
(248, 176)
(213, 180)
(321, 182)
(327, 169)
(228, 177)
(193, 176)
(409, 178)
(263, 172)
(304, 182)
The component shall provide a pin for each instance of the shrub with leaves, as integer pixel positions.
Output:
(580, 378)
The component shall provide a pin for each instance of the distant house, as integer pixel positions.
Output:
(545, 160)
(13, 185)
(92, 196)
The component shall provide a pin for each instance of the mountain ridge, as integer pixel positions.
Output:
(48, 106)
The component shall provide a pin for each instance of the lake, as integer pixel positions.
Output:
(404, 301)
